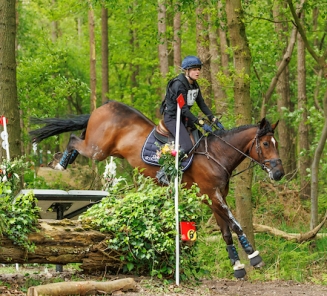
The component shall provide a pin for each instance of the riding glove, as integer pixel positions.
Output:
(218, 123)
(207, 128)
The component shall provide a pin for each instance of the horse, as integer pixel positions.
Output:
(118, 130)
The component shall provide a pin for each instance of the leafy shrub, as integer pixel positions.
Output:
(18, 215)
(141, 220)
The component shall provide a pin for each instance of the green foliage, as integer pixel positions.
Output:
(284, 260)
(18, 215)
(142, 222)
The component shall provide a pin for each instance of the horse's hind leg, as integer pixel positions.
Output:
(70, 153)
(75, 153)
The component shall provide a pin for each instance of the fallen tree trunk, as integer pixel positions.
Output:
(62, 242)
(297, 237)
(82, 288)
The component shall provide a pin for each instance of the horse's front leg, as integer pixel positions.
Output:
(227, 222)
(238, 267)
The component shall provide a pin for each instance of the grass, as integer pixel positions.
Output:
(284, 260)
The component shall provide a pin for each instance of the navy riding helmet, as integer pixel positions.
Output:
(191, 62)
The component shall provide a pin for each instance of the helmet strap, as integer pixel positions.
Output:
(191, 80)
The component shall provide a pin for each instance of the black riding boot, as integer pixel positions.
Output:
(182, 155)
(162, 177)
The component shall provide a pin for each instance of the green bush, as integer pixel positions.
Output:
(141, 220)
(18, 214)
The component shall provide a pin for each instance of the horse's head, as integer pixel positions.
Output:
(265, 150)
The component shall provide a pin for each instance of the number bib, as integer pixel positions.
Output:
(192, 94)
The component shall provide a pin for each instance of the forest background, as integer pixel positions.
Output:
(261, 58)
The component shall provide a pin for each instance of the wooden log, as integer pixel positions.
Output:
(82, 288)
(62, 242)
(297, 237)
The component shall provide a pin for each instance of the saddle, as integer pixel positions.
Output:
(162, 134)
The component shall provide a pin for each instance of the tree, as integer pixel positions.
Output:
(177, 38)
(93, 79)
(218, 57)
(104, 54)
(243, 107)
(8, 85)
(304, 159)
(285, 132)
(321, 63)
(203, 50)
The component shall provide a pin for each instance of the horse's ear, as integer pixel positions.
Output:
(262, 123)
(273, 126)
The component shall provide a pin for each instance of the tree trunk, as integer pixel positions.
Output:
(243, 108)
(315, 169)
(93, 79)
(104, 54)
(177, 39)
(9, 105)
(62, 242)
(162, 49)
(219, 95)
(203, 51)
(286, 142)
(304, 159)
(134, 69)
(320, 60)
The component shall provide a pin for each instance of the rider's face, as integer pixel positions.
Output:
(194, 73)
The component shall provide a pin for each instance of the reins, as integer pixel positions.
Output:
(253, 161)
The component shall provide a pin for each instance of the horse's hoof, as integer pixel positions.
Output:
(260, 264)
(240, 273)
(256, 260)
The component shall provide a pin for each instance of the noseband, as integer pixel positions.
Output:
(273, 162)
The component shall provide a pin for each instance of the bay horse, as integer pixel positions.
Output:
(115, 129)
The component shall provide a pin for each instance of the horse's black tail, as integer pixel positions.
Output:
(56, 126)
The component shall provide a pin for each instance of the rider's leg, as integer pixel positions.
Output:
(184, 136)
(185, 144)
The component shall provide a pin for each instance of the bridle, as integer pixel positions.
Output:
(255, 142)
(273, 162)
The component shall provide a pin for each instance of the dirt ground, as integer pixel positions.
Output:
(18, 283)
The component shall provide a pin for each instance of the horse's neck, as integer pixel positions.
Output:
(243, 140)
(236, 146)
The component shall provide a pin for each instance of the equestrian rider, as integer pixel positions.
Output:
(185, 84)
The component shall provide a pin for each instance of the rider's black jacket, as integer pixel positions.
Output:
(191, 94)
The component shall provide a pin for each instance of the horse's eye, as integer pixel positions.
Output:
(266, 144)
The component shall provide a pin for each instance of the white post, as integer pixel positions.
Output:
(176, 193)
(4, 136)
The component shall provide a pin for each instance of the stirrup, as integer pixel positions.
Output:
(162, 177)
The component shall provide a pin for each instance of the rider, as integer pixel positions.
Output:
(185, 84)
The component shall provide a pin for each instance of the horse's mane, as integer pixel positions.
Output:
(261, 132)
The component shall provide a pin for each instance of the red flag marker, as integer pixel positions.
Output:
(180, 101)
(2, 118)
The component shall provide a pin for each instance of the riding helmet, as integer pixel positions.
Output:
(191, 62)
